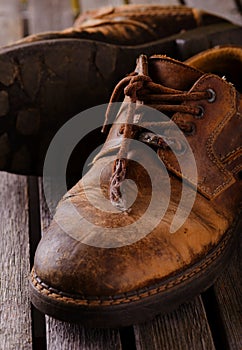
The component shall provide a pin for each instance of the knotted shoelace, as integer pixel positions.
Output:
(142, 90)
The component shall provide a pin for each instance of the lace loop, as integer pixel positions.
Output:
(136, 84)
(142, 90)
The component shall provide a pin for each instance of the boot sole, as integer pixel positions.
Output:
(44, 84)
(136, 306)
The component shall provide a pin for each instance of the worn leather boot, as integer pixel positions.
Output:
(152, 223)
(46, 79)
(132, 24)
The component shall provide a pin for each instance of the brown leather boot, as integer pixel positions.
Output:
(43, 83)
(132, 24)
(152, 223)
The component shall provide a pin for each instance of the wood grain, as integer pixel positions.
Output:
(66, 336)
(183, 329)
(92, 4)
(47, 15)
(159, 2)
(15, 321)
(223, 8)
(228, 292)
(10, 22)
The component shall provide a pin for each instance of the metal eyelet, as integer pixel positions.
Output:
(200, 114)
(212, 97)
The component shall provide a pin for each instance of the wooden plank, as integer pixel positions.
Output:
(156, 2)
(66, 336)
(228, 292)
(15, 321)
(47, 15)
(223, 8)
(93, 4)
(183, 329)
(10, 22)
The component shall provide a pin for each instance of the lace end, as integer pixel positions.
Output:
(104, 129)
(118, 176)
(120, 204)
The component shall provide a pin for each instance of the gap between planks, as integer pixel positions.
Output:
(15, 315)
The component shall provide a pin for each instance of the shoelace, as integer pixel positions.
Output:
(142, 90)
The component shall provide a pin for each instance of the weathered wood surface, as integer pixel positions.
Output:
(183, 329)
(160, 2)
(65, 336)
(228, 292)
(15, 312)
(46, 15)
(10, 22)
(92, 4)
(225, 8)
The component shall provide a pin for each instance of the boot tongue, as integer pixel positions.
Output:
(172, 73)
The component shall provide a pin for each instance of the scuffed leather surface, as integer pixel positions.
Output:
(66, 264)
